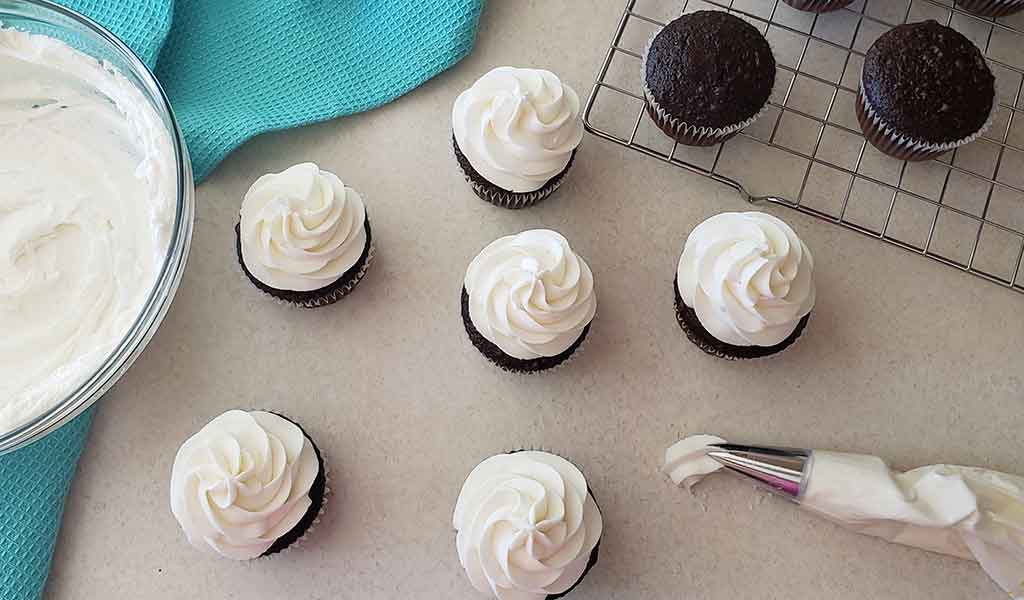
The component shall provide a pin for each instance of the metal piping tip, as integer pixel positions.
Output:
(781, 469)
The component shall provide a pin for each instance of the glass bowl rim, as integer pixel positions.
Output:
(160, 296)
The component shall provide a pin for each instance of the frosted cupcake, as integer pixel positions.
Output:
(515, 134)
(744, 286)
(528, 526)
(249, 484)
(528, 301)
(304, 236)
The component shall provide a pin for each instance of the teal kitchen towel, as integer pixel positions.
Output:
(233, 69)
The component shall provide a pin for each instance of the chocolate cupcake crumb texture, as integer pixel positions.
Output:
(929, 82)
(710, 69)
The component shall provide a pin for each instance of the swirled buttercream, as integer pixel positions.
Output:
(302, 228)
(518, 127)
(530, 294)
(748, 277)
(526, 526)
(87, 205)
(242, 482)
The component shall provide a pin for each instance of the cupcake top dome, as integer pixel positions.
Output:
(518, 127)
(527, 526)
(710, 69)
(748, 277)
(928, 82)
(244, 482)
(530, 294)
(301, 229)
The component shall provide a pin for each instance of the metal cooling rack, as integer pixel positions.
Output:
(965, 209)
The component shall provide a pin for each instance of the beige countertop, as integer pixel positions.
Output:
(903, 357)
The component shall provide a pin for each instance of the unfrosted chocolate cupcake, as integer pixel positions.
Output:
(925, 90)
(818, 6)
(992, 8)
(707, 75)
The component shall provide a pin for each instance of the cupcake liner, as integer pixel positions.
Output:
(991, 8)
(897, 145)
(497, 196)
(692, 135)
(297, 536)
(702, 338)
(317, 298)
(818, 6)
(494, 354)
(594, 554)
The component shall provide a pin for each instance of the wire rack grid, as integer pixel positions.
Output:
(964, 209)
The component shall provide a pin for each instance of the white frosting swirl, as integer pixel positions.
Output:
(530, 294)
(242, 482)
(748, 277)
(526, 526)
(301, 229)
(518, 127)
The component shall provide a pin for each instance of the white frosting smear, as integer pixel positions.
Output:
(968, 512)
(687, 462)
(526, 526)
(301, 229)
(518, 127)
(530, 294)
(748, 277)
(87, 194)
(242, 482)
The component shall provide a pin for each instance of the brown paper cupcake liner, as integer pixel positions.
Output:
(595, 553)
(320, 493)
(702, 338)
(517, 366)
(897, 145)
(497, 196)
(818, 6)
(991, 8)
(683, 132)
(317, 298)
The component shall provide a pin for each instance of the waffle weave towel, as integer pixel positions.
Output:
(233, 69)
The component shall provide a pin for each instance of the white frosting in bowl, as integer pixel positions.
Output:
(526, 526)
(518, 127)
(748, 277)
(242, 482)
(89, 186)
(530, 294)
(301, 229)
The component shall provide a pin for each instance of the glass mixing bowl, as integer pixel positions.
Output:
(85, 35)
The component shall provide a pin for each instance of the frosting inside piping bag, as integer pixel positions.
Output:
(968, 512)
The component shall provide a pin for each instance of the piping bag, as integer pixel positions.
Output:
(968, 512)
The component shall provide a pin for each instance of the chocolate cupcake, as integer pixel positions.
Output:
(992, 8)
(515, 134)
(248, 485)
(744, 287)
(818, 6)
(542, 502)
(925, 90)
(707, 75)
(304, 237)
(528, 301)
